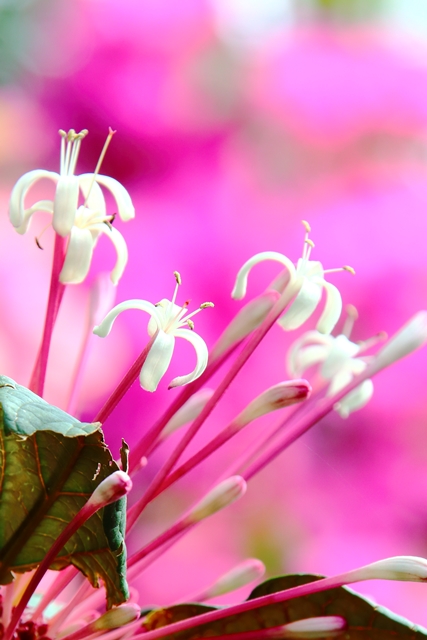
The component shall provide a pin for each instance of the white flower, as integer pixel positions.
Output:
(83, 223)
(166, 322)
(307, 278)
(339, 364)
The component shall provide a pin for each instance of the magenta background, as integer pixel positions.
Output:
(225, 145)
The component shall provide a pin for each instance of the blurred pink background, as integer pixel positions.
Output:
(236, 119)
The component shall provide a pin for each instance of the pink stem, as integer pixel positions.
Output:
(145, 445)
(249, 605)
(296, 427)
(245, 354)
(79, 519)
(56, 293)
(176, 530)
(124, 385)
(201, 455)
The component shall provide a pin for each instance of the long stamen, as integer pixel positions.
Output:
(37, 238)
(178, 283)
(307, 231)
(99, 163)
(76, 149)
(70, 139)
(345, 268)
(63, 135)
(351, 318)
(370, 342)
(309, 245)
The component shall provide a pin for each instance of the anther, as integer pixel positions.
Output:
(352, 311)
(206, 305)
(177, 277)
(38, 243)
(62, 133)
(71, 135)
(350, 270)
(190, 324)
(306, 225)
(311, 244)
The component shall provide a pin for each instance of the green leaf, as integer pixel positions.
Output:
(50, 464)
(365, 619)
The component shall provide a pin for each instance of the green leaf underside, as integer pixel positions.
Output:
(365, 620)
(50, 464)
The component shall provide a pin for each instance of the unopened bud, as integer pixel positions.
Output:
(246, 572)
(410, 337)
(313, 627)
(117, 617)
(277, 397)
(117, 485)
(188, 412)
(403, 568)
(221, 496)
(246, 321)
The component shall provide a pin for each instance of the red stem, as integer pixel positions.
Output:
(245, 354)
(124, 385)
(56, 293)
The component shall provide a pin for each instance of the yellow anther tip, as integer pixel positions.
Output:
(309, 242)
(206, 305)
(62, 133)
(306, 225)
(350, 270)
(177, 277)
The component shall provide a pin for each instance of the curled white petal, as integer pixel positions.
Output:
(65, 204)
(78, 257)
(201, 354)
(240, 286)
(125, 208)
(296, 359)
(104, 328)
(308, 357)
(333, 307)
(19, 191)
(121, 250)
(356, 399)
(157, 361)
(303, 306)
(41, 205)
(96, 200)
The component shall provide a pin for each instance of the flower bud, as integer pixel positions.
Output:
(403, 568)
(277, 397)
(219, 497)
(114, 487)
(244, 322)
(241, 575)
(117, 617)
(409, 338)
(188, 412)
(313, 627)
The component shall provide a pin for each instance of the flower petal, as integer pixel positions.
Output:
(332, 310)
(41, 205)
(239, 290)
(308, 339)
(126, 210)
(78, 257)
(96, 200)
(305, 303)
(121, 248)
(65, 204)
(341, 351)
(19, 191)
(104, 328)
(157, 361)
(201, 353)
(356, 399)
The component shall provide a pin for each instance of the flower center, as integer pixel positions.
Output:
(307, 267)
(175, 316)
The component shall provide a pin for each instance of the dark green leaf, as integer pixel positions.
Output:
(50, 464)
(365, 620)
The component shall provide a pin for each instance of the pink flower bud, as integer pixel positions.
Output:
(117, 485)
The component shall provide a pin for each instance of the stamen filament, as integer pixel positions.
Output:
(99, 163)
